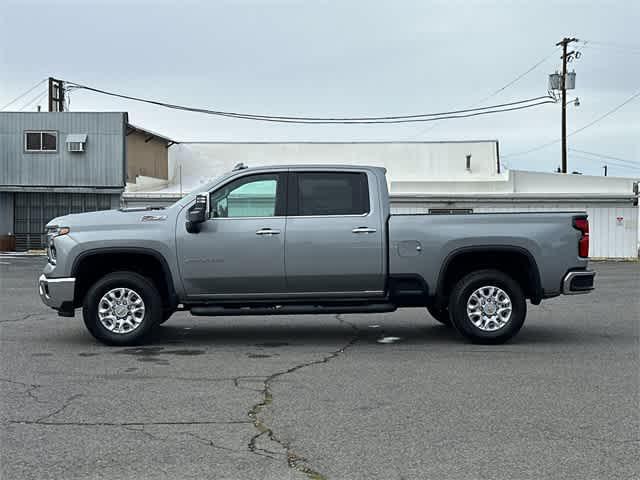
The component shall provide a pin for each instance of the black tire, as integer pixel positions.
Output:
(467, 286)
(131, 280)
(440, 314)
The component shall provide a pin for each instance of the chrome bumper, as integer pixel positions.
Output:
(54, 292)
(578, 282)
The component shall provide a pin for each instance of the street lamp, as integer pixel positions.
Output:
(575, 101)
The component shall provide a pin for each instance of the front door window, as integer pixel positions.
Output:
(253, 196)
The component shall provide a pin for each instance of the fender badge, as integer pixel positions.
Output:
(153, 218)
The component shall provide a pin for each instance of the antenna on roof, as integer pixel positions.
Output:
(239, 166)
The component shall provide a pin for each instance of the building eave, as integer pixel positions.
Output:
(513, 197)
(149, 135)
(46, 189)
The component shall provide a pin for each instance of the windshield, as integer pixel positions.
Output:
(205, 187)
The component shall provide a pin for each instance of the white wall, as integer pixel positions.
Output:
(404, 161)
(540, 182)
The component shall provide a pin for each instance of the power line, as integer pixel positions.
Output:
(37, 98)
(24, 94)
(609, 51)
(613, 45)
(522, 75)
(501, 89)
(601, 117)
(605, 115)
(609, 157)
(609, 163)
(423, 117)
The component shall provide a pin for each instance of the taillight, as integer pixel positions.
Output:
(582, 224)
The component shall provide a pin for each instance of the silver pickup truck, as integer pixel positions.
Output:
(308, 240)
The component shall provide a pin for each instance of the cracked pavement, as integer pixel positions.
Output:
(319, 397)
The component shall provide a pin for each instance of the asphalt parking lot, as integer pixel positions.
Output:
(320, 397)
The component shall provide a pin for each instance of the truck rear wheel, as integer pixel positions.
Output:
(487, 307)
(121, 308)
(440, 314)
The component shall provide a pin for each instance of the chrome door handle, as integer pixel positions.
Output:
(267, 231)
(364, 230)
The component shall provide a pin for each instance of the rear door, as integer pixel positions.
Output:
(334, 238)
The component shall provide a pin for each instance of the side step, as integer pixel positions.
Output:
(217, 311)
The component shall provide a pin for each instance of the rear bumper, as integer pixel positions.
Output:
(578, 282)
(56, 292)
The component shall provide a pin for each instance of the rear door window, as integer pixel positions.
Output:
(331, 193)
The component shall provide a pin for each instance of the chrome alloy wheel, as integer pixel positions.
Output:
(489, 308)
(121, 310)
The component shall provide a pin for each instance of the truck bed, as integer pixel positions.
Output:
(423, 243)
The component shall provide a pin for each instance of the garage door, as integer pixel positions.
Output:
(32, 211)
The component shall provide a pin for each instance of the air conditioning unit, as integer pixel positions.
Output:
(76, 142)
(75, 146)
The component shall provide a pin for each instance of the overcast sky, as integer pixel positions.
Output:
(346, 58)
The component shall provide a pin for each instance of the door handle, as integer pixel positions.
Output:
(267, 231)
(364, 230)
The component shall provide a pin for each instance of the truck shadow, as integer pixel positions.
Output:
(271, 336)
(267, 336)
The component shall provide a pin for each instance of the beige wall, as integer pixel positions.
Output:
(146, 158)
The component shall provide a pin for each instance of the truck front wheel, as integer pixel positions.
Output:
(487, 307)
(121, 308)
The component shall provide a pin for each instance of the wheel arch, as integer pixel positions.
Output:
(506, 258)
(94, 263)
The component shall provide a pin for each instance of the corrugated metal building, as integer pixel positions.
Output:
(55, 163)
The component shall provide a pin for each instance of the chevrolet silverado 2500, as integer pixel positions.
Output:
(308, 239)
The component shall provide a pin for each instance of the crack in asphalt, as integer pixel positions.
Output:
(210, 443)
(30, 389)
(123, 424)
(65, 404)
(24, 317)
(141, 430)
(569, 436)
(294, 460)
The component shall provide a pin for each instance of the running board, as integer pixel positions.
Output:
(218, 311)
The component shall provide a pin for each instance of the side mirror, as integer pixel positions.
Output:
(196, 214)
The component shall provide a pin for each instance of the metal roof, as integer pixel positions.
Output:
(145, 131)
(76, 138)
(346, 142)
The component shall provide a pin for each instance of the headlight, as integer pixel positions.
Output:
(52, 232)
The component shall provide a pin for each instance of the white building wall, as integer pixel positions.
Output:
(404, 161)
(537, 182)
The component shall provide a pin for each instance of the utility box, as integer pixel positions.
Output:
(7, 243)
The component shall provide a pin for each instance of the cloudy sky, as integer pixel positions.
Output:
(341, 58)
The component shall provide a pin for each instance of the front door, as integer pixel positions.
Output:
(334, 241)
(239, 250)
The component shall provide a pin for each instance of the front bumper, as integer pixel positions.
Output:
(56, 292)
(578, 282)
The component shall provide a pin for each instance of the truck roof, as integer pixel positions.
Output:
(314, 166)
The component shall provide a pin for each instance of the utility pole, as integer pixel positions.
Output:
(566, 56)
(56, 95)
